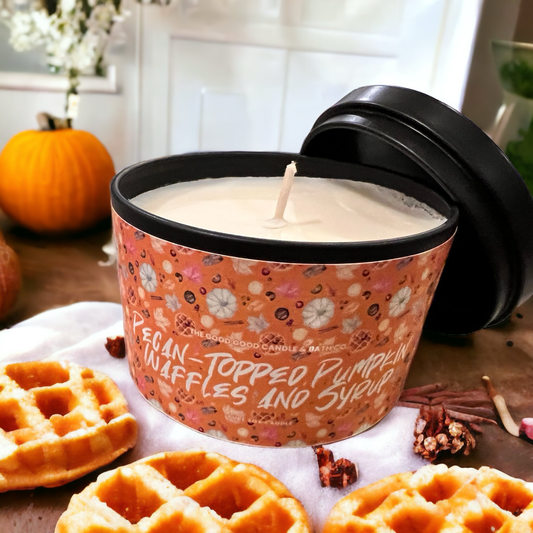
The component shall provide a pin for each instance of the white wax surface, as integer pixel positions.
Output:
(318, 209)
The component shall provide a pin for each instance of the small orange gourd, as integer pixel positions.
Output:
(55, 181)
(10, 277)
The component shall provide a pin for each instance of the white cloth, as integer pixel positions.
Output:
(78, 333)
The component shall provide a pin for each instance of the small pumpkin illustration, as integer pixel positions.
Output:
(221, 303)
(318, 312)
(55, 180)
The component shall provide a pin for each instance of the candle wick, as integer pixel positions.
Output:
(278, 221)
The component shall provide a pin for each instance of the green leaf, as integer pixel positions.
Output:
(517, 77)
(520, 153)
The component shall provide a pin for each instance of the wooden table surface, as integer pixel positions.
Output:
(60, 272)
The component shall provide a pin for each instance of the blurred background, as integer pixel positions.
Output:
(254, 74)
(154, 79)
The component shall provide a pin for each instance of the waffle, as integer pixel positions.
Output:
(58, 421)
(437, 499)
(186, 492)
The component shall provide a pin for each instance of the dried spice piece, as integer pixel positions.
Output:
(337, 474)
(447, 418)
(437, 432)
(526, 425)
(473, 406)
(501, 406)
(116, 347)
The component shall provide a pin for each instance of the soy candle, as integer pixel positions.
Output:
(274, 336)
(318, 209)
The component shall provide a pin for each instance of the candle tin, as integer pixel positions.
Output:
(277, 343)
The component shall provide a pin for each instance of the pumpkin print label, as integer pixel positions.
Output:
(267, 353)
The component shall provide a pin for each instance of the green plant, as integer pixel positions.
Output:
(517, 77)
(520, 152)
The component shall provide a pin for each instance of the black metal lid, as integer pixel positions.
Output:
(490, 268)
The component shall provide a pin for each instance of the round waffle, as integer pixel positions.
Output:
(190, 491)
(58, 421)
(437, 499)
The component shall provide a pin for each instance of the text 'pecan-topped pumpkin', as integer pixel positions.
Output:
(58, 421)
(191, 491)
(437, 499)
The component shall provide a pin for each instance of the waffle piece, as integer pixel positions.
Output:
(437, 499)
(187, 492)
(58, 421)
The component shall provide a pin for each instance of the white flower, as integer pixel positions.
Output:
(102, 16)
(221, 303)
(67, 5)
(399, 301)
(349, 325)
(75, 36)
(148, 277)
(172, 302)
(257, 324)
(28, 30)
(318, 312)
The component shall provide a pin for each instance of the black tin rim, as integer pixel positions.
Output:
(148, 175)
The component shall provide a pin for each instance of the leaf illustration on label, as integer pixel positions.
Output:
(165, 388)
(172, 302)
(235, 339)
(314, 270)
(349, 325)
(289, 289)
(156, 245)
(193, 274)
(243, 266)
(255, 306)
(257, 324)
(160, 319)
(169, 285)
(212, 259)
(345, 271)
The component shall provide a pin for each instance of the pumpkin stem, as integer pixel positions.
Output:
(48, 122)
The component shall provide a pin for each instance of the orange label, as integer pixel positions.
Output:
(269, 353)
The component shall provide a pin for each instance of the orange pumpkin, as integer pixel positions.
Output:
(10, 277)
(55, 181)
